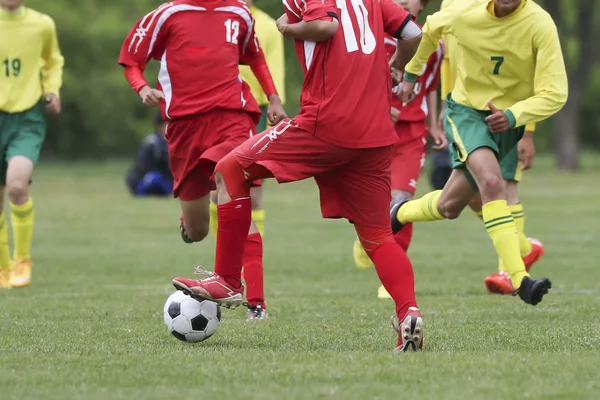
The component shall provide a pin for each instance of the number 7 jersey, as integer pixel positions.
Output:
(346, 95)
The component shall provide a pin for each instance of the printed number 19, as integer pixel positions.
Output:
(499, 60)
(15, 64)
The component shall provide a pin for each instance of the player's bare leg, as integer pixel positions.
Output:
(20, 169)
(194, 224)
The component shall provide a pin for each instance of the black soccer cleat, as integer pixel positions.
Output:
(397, 202)
(184, 235)
(257, 312)
(533, 290)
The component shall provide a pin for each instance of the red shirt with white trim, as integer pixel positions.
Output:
(428, 80)
(346, 95)
(199, 44)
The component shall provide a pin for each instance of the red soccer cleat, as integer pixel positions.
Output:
(499, 283)
(537, 251)
(410, 331)
(214, 288)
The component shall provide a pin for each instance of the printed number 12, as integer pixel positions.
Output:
(499, 60)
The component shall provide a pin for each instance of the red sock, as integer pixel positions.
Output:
(404, 236)
(396, 274)
(234, 222)
(253, 269)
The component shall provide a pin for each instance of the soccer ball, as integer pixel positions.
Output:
(191, 320)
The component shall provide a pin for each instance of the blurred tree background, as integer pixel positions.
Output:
(103, 118)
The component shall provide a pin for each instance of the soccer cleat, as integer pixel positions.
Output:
(184, 235)
(361, 259)
(213, 288)
(5, 278)
(537, 251)
(257, 312)
(410, 331)
(397, 202)
(21, 275)
(499, 283)
(533, 290)
(382, 293)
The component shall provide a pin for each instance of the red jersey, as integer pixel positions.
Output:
(428, 80)
(199, 44)
(346, 95)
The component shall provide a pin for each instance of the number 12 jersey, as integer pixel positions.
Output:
(346, 95)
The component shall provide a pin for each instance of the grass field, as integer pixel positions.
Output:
(90, 326)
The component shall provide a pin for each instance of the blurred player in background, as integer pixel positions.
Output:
(412, 121)
(31, 68)
(150, 174)
(511, 168)
(510, 72)
(272, 44)
(343, 137)
(210, 110)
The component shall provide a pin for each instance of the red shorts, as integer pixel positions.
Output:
(409, 155)
(198, 142)
(353, 183)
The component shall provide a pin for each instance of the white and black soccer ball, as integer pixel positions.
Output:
(191, 320)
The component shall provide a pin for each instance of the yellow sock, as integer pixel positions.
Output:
(22, 225)
(4, 250)
(503, 232)
(518, 215)
(421, 210)
(258, 216)
(479, 214)
(214, 219)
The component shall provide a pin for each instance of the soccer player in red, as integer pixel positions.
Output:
(209, 109)
(343, 137)
(413, 121)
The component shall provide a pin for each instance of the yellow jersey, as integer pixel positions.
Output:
(515, 62)
(271, 42)
(30, 60)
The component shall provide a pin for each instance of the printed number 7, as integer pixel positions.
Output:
(499, 60)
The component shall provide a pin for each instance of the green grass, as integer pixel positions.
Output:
(90, 325)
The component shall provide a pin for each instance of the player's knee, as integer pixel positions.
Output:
(230, 179)
(197, 232)
(492, 187)
(449, 208)
(18, 190)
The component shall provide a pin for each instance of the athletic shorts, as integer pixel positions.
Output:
(467, 131)
(353, 183)
(198, 142)
(409, 155)
(511, 167)
(21, 134)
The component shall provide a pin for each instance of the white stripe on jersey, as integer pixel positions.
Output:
(165, 82)
(142, 29)
(286, 5)
(245, 14)
(309, 51)
(436, 66)
(390, 41)
(165, 16)
(410, 31)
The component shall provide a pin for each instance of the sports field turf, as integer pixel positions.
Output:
(90, 326)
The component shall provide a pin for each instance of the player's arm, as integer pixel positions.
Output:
(550, 82)
(314, 30)
(52, 69)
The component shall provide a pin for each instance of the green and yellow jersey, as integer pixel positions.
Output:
(515, 62)
(271, 42)
(30, 60)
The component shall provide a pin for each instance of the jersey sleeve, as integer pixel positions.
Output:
(275, 56)
(318, 9)
(146, 40)
(433, 30)
(550, 81)
(395, 18)
(52, 69)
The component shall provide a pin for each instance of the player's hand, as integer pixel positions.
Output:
(275, 112)
(151, 97)
(282, 24)
(53, 105)
(498, 120)
(526, 148)
(396, 76)
(440, 141)
(395, 113)
(406, 92)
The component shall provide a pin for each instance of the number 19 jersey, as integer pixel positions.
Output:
(346, 95)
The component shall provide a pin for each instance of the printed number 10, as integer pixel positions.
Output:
(15, 64)
(367, 39)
